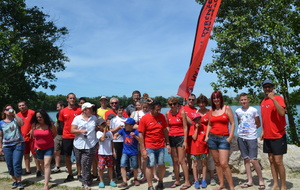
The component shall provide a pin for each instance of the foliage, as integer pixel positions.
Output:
(30, 51)
(257, 40)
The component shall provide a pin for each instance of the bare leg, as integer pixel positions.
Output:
(215, 154)
(47, 170)
(182, 162)
(195, 170)
(258, 171)
(248, 171)
(223, 157)
(149, 175)
(100, 173)
(57, 158)
(110, 173)
(273, 171)
(123, 172)
(27, 162)
(278, 161)
(69, 165)
(175, 160)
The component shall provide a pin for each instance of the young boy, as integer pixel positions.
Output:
(130, 150)
(199, 150)
(248, 120)
(106, 152)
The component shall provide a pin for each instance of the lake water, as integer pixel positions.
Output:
(164, 110)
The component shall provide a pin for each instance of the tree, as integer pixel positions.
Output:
(30, 51)
(257, 40)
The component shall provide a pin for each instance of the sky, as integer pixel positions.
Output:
(116, 47)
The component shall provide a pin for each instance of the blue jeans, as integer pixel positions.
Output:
(155, 156)
(133, 161)
(13, 156)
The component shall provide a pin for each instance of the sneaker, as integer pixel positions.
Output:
(101, 185)
(159, 186)
(203, 184)
(79, 178)
(69, 178)
(113, 184)
(136, 182)
(38, 173)
(197, 185)
(122, 185)
(55, 170)
(140, 175)
(75, 172)
(213, 182)
(150, 188)
(14, 185)
(27, 173)
(20, 185)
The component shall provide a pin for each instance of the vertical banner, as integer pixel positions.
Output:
(205, 25)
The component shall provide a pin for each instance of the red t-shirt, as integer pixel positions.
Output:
(111, 111)
(43, 139)
(153, 130)
(67, 115)
(198, 146)
(175, 124)
(272, 123)
(219, 124)
(26, 117)
(189, 111)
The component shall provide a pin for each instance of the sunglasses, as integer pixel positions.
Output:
(190, 99)
(172, 104)
(39, 117)
(114, 103)
(7, 109)
(267, 86)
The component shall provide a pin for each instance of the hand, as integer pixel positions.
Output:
(229, 139)
(132, 134)
(114, 154)
(206, 138)
(145, 154)
(83, 131)
(261, 137)
(271, 95)
(184, 146)
(169, 149)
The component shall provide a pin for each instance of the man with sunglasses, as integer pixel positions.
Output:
(274, 134)
(113, 104)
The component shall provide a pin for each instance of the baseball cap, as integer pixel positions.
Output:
(100, 121)
(111, 116)
(196, 115)
(130, 121)
(268, 81)
(103, 97)
(87, 105)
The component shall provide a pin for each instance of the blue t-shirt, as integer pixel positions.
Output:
(11, 133)
(130, 145)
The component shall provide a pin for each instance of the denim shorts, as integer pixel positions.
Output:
(176, 141)
(216, 142)
(133, 161)
(155, 156)
(40, 154)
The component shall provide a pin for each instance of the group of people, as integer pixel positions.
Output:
(135, 139)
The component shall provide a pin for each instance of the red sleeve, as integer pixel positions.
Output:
(280, 100)
(141, 127)
(60, 117)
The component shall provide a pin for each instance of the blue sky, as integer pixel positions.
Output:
(117, 46)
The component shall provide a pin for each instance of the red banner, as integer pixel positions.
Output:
(205, 25)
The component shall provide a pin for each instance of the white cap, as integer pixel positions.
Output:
(87, 105)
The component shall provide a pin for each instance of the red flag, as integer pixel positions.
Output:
(205, 24)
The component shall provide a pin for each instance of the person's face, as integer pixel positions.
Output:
(71, 99)
(216, 100)
(136, 97)
(81, 102)
(114, 104)
(145, 108)
(138, 106)
(6, 111)
(268, 88)
(22, 106)
(39, 117)
(191, 101)
(173, 105)
(103, 102)
(101, 127)
(88, 111)
(244, 100)
(128, 127)
(202, 104)
(156, 110)
(120, 112)
(58, 107)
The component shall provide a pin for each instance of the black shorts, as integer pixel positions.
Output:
(275, 146)
(67, 146)
(176, 141)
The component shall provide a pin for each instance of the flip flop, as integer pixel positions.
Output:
(261, 187)
(246, 185)
(174, 185)
(185, 187)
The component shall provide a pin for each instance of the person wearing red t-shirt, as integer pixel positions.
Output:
(153, 139)
(177, 124)
(273, 133)
(66, 117)
(26, 115)
(113, 104)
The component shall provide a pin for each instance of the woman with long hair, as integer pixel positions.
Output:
(12, 143)
(44, 132)
(219, 136)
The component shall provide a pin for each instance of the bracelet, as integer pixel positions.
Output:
(144, 150)
(185, 140)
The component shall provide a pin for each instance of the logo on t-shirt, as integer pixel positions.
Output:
(128, 140)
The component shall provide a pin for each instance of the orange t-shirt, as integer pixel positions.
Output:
(153, 130)
(273, 124)
(26, 117)
(67, 115)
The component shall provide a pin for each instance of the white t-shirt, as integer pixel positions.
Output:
(138, 115)
(116, 122)
(246, 119)
(105, 147)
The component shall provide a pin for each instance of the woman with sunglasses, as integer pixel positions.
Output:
(43, 132)
(177, 125)
(219, 136)
(12, 143)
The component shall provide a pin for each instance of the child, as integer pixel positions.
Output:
(199, 150)
(249, 121)
(130, 150)
(106, 152)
